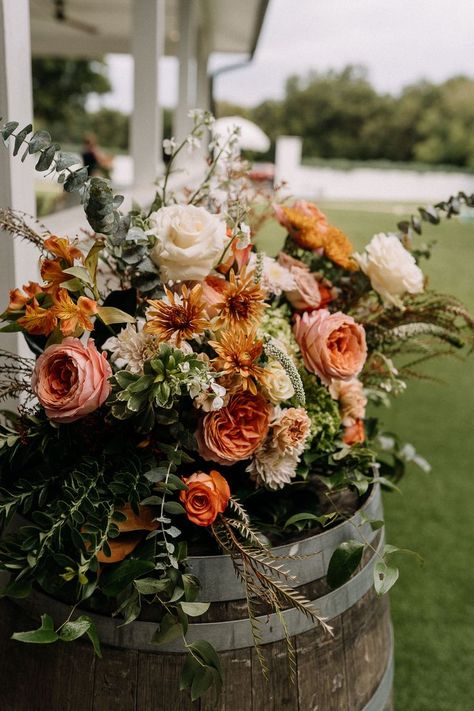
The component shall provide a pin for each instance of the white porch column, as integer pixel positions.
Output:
(148, 42)
(18, 259)
(187, 67)
(203, 98)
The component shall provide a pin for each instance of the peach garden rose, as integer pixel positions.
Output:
(234, 432)
(332, 345)
(70, 380)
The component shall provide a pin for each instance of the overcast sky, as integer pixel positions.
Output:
(400, 41)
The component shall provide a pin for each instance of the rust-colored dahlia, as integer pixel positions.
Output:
(177, 318)
(234, 432)
(307, 229)
(237, 355)
(339, 249)
(242, 303)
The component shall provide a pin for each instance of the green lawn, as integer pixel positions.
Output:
(433, 605)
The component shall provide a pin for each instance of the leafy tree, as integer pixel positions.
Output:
(60, 91)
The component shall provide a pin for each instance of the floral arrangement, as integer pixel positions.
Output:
(189, 393)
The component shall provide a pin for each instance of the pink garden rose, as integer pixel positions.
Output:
(71, 380)
(306, 295)
(332, 345)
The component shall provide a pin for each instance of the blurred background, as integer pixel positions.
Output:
(366, 108)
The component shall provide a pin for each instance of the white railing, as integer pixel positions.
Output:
(321, 183)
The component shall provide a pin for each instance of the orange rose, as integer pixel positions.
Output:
(206, 496)
(234, 432)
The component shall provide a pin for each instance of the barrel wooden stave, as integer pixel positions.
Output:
(339, 673)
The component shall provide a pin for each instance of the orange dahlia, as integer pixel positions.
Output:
(305, 223)
(242, 303)
(338, 249)
(178, 317)
(237, 355)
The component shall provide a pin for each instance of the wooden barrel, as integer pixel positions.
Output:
(350, 671)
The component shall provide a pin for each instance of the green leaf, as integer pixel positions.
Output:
(66, 160)
(323, 520)
(80, 273)
(385, 577)
(39, 141)
(113, 581)
(190, 667)
(94, 638)
(46, 158)
(202, 681)
(43, 635)
(74, 629)
(110, 315)
(76, 180)
(8, 129)
(151, 586)
(194, 609)
(173, 507)
(156, 474)
(16, 589)
(92, 259)
(169, 630)
(20, 137)
(207, 653)
(343, 563)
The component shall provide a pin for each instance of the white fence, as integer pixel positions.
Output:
(318, 183)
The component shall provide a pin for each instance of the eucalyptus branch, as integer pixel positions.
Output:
(434, 213)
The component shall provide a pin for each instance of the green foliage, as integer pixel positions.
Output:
(201, 669)
(344, 562)
(100, 204)
(67, 632)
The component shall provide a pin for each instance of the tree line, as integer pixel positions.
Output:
(339, 114)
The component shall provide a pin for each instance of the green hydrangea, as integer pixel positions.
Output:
(276, 323)
(323, 412)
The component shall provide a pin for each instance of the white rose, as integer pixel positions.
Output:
(189, 241)
(276, 382)
(391, 268)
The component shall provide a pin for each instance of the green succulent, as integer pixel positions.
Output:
(144, 395)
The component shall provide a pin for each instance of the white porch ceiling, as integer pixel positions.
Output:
(99, 27)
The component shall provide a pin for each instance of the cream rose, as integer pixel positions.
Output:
(391, 268)
(189, 241)
(276, 383)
